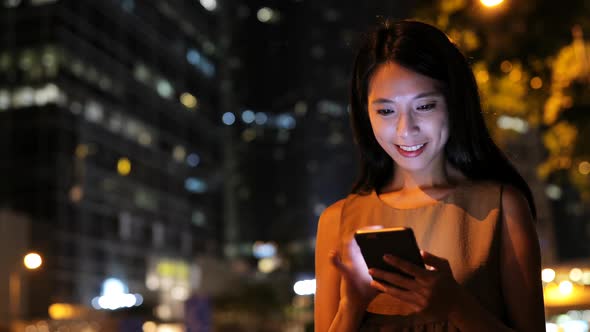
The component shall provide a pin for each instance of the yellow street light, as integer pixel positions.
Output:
(32, 261)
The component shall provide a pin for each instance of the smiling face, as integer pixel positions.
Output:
(408, 114)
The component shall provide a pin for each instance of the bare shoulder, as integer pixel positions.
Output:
(519, 234)
(328, 231)
(327, 295)
(521, 263)
(515, 206)
(333, 212)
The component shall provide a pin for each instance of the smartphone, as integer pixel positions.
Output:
(397, 241)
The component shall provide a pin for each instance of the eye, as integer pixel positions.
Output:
(385, 111)
(426, 107)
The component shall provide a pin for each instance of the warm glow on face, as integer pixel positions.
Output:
(491, 3)
(409, 118)
(32, 261)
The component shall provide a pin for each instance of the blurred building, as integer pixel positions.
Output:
(291, 124)
(110, 150)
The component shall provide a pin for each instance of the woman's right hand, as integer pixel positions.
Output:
(356, 290)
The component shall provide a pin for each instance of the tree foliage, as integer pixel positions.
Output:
(532, 63)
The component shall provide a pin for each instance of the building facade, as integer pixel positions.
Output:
(110, 143)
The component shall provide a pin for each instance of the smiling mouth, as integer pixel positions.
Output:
(410, 151)
(411, 148)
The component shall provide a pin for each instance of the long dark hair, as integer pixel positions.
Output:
(427, 50)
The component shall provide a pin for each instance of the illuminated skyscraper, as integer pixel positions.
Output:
(110, 147)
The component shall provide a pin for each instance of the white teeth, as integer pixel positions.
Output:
(411, 148)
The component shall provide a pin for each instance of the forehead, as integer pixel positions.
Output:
(392, 80)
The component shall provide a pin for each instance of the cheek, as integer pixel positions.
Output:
(437, 126)
(444, 131)
(381, 129)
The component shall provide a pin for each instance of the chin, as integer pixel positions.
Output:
(412, 166)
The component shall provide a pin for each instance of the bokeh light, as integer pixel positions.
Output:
(210, 5)
(506, 66)
(491, 3)
(228, 118)
(32, 261)
(305, 287)
(536, 83)
(248, 116)
(576, 274)
(548, 275)
(264, 14)
(188, 100)
(584, 168)
(566, 287)
(124, 166)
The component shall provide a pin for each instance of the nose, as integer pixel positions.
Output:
(406, 125)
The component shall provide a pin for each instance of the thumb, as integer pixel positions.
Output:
(435, 261)
(336, 260)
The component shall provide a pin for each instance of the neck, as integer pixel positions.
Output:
(405, 180)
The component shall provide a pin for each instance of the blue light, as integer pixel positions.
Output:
(207, 68)
(286, 121)
(248, 116)
(200, 62)
(261, 118)
(193, 160)
(114, 296)
(195, 185)
(113, 286)
(193, 56)
(228, 118)
(264, 250)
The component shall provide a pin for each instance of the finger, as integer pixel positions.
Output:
(336, 260)
(353, 248)
(436, 262)
(405, 266)
(395, 279)
(371, 227)
(408, 297)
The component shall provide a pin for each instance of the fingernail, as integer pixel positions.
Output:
(387, 256)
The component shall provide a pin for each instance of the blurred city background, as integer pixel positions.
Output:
(164, 162)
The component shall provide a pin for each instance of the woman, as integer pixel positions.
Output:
(428, 162)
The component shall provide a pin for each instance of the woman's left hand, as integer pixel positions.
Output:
(432, 290)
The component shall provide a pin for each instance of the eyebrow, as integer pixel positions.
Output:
(420, 95)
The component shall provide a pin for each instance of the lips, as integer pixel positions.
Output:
(410, 151)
